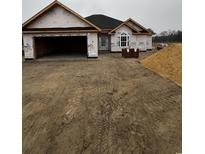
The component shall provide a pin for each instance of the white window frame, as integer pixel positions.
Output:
(127, 41)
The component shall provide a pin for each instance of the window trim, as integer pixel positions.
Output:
(127, 41)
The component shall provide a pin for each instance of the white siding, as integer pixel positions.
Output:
(58, 17)
(149, 42)
(28, 46)
(143, 42)
(92, 45)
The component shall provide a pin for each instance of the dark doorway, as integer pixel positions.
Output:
(63, 46)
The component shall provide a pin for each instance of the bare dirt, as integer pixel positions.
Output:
(110, 105)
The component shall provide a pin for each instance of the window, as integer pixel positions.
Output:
(124, 40)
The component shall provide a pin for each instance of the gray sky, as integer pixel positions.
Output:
(158, 15)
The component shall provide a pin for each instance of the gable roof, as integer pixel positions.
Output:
(145, 31)
(103, 21)
(65, 7)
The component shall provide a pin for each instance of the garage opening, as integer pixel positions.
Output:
(60, 46)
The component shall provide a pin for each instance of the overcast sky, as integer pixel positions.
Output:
(158, 15)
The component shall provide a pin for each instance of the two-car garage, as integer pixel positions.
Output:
(58, 30)
(60, 46)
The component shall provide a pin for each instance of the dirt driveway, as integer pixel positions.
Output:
(111, 105)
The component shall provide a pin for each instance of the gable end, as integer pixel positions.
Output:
(57, 15)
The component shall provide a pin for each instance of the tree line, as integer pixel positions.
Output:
(168, 37)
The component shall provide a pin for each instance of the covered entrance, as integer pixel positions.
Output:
(104, 41)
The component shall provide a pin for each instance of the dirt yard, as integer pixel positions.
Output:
(110, 105)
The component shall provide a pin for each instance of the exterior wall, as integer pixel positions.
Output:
(29, 50)
(92, 45)
(58, 17)
(149, 42)
(143, 42)
(28, 46)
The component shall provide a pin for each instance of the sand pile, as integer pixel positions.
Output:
(167, 62)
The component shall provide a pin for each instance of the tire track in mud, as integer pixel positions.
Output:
(120, 107)
(123, 76)
(163, 101)
(55, 113)
(139, 130)
(103, 122)
(67, 119)
(150, 132)
(104, 105)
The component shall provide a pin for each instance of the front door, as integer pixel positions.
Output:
(103, 43)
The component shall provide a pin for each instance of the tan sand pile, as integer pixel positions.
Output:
(167, 62)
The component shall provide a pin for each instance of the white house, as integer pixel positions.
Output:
(59, 30)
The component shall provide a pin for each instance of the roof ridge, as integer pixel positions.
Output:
(104, 21)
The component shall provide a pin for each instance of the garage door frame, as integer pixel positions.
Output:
(49, 36)
(28, 41)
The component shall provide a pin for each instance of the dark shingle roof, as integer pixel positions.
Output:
(103, 22)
